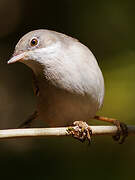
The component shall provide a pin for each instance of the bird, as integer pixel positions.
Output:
(68, 83)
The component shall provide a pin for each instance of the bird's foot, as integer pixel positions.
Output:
(121, 130)
(81, 131)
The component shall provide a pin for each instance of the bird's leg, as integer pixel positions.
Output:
(27, 123)
(81, 131)
(122, 128)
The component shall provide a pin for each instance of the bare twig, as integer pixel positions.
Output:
(62, 131)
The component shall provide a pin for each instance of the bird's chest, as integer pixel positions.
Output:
(60, 108)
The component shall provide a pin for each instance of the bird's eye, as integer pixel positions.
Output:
(34, 42)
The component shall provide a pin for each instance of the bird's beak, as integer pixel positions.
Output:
(16, 58)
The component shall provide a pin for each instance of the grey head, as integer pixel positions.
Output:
(40, 39)
(39, 43)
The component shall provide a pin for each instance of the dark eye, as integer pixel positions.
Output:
(34, 42)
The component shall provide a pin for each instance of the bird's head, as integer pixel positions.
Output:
(35, 47)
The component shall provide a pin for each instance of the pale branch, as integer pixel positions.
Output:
(61, 131)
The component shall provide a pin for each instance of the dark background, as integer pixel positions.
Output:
(107, 28)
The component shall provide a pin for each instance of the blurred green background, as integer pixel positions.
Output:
(107, 28)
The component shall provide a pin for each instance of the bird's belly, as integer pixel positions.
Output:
(63, 109)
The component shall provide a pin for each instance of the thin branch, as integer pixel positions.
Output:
(62, 131)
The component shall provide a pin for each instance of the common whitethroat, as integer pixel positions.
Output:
(68, 82)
